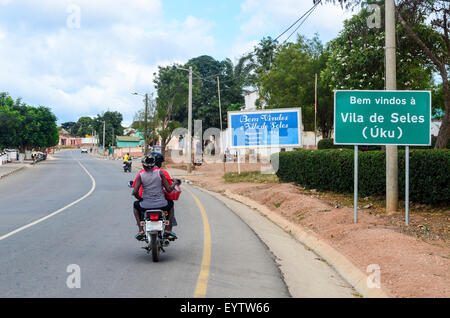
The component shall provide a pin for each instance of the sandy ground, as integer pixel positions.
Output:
(414, 261)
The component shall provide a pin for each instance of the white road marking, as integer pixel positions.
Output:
(56, 212)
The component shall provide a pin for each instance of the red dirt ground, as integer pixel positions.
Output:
(414, 260)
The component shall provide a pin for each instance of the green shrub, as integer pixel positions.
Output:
(328, 143)
(332, 170)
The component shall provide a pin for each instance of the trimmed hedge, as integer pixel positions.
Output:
(332, 170)
(327, 143)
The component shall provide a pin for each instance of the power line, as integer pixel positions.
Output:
(305, 16)
(309, 11)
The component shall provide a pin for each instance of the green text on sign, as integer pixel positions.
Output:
(382, 117)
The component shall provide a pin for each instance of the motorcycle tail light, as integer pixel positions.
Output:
(154, 216)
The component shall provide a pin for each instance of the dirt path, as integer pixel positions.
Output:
(414, 260)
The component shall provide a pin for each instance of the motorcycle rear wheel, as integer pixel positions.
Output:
(155, 247)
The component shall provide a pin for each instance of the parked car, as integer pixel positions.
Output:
(84, 150)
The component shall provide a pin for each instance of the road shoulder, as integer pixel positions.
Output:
(12, 168)
(302, 257)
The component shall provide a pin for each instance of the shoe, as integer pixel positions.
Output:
(140, 236)
(171, 236)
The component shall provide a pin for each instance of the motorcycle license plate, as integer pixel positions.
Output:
(154, 226)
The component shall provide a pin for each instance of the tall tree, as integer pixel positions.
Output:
(113, 126)
(67, 126)
(9, 124)
(232, 78)
(83, 127)
(152, 122)
(426, 22)
(290, 80)
(171, 111)
(357, 59)
(26, 127)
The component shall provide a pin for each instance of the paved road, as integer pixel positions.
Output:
(96, 234)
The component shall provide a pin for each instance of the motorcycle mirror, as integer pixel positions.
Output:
(130, 184)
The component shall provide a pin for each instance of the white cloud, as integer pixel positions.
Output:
(119, 45)
(241, 47)
(87, 70)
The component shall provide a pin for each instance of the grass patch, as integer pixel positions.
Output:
(250, 176)
(278, 204)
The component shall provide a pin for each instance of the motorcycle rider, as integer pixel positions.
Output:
(126, 161)
(152, 181)
(159, 159)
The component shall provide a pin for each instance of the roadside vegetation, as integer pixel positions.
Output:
(250, 176)
(26, 127)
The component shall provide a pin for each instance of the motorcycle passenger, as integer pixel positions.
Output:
(159, 159)
(152, 181)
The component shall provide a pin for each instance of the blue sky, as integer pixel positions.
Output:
(83, 57)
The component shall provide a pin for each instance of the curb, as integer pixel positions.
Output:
(12, 172)
(349, 272)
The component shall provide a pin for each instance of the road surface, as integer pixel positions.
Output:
(67, 230)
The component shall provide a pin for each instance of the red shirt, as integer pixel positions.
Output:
(166, 174)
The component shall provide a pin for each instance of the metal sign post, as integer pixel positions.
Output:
(355, 187)
(239, 160)
(407, 185)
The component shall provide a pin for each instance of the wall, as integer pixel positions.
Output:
(133, 151)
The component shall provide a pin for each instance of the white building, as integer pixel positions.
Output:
(435, 126)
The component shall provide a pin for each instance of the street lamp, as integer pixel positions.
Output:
(146, 123)
(189, 140)
(104, 147)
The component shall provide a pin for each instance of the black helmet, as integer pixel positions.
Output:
(159, 158)
(148, 161)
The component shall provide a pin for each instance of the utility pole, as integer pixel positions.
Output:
(391, 84)
(146, 126)
(146, 123)
(220, 117)
(189, 139)
(104, 147)
(315, 112)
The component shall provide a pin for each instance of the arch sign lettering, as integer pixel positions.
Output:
(265, 128)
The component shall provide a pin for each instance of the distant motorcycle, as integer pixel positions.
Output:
(127, 166)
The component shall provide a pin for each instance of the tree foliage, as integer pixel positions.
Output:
(356, 59)
(26, 127)
(427, 24)
(290, 81)
(113, 126)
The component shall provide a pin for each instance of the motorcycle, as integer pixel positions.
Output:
(155, 221)
(127, 166)
(154, 224)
